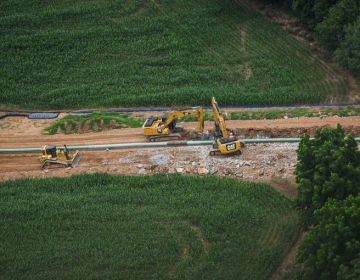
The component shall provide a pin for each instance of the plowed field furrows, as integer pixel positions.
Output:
(154, 53)
(143, 227)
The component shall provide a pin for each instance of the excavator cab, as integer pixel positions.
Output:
(226, 146)
(156, 129)
(51, 155)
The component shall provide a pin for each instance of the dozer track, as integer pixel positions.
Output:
(169, 137)
(50, 162)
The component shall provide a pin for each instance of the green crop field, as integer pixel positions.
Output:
(76, 54)
(152, 227)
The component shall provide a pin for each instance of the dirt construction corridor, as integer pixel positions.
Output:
(273, 163)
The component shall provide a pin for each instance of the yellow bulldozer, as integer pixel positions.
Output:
(225, 142)
(165, 128)
(52, 155)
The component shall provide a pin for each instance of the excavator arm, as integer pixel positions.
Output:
(224, 143)
(220, 127)
(200, 126)
(188, 111)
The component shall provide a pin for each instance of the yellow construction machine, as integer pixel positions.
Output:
(52, 155)
(165, 128)
(225, 142)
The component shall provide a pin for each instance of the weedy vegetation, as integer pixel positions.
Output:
(294, 113)
(278, 114)
(94, 122)
(143, 227)
(98, 121)
(61, 54)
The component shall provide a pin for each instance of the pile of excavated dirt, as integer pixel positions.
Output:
(257, 162)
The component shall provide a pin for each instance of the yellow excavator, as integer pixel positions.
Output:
(52, 155)
(165, 128)
(225, 143)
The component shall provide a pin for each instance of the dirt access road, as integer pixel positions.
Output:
(273, 163)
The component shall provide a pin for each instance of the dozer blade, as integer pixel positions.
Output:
(76, 160)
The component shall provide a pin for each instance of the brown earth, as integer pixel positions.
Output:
(289, 264)
(272, 163)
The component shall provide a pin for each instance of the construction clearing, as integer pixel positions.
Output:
(265, 161)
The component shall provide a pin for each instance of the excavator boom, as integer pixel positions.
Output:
(224, 143)
(220, 128)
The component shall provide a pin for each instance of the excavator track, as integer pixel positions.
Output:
(218, 152)
(214, 153)
(169, 137)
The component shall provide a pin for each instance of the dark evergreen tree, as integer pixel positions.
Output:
(348, 54)
(312, 12)
(331, 31)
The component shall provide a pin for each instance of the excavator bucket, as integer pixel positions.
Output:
(205, 135)
(76, 160)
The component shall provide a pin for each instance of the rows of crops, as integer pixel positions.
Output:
(154, 227)
(74, 54)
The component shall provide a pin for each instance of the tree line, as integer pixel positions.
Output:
(328, 201)
(336, 26)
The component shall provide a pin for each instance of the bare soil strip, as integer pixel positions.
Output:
(272, 163)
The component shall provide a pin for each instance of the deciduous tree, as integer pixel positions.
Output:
(328, 167)
(348, 54)
(332, 249)
(331, 31)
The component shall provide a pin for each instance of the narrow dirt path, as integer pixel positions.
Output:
(288, 264)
